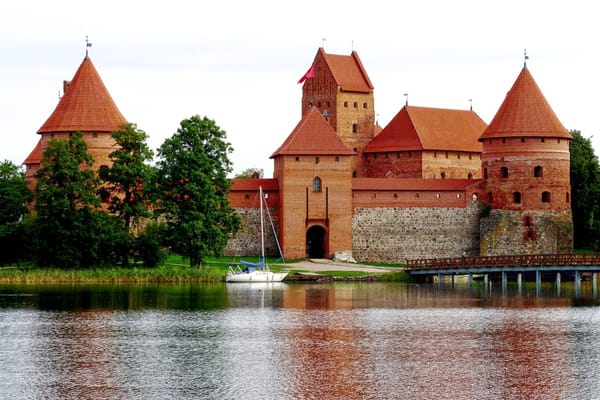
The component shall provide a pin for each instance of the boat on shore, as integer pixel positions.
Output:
(247, 271)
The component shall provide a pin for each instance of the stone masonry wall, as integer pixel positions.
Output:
(526, 232)
(246, 241)
(393, 235)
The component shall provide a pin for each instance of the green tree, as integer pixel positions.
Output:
(193, 187)
(68, 232)
(15, 195)
(251, 173)
(585, 192)
(127, 183)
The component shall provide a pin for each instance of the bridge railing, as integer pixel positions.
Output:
(504, 261)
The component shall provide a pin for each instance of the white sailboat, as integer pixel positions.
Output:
(259, 271)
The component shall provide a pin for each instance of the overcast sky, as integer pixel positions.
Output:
(238, 62)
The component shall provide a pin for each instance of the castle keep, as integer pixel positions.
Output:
(432, 183)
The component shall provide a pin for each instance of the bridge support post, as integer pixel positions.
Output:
(470, 280)
(594, 283)
(486, 281)
(440, 280)
(519, 282)
(538, 282)
(452, 277)
(577, 283)
(504, 281)
(558, 283)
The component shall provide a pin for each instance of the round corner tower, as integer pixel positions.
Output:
(525, 165)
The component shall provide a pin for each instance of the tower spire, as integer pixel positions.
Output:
(87, 46)
(526, 57)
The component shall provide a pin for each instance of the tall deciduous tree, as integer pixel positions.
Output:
(585, 192)
(192, 177)
(127, 182)
(69, 233)
(15, 195)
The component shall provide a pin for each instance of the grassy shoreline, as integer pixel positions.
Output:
(174, 270)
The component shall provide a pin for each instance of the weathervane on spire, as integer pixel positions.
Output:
(406, 96)
(323, 42)
(526, 58)
(471, 104)
(87, 46)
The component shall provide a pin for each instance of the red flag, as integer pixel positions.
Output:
(309, 74)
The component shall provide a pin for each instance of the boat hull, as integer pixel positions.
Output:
(255, 276)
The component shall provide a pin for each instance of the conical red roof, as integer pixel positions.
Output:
(525, 112)
(313, 136)
(86, 105)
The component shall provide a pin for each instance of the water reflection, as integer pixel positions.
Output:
(291, 341)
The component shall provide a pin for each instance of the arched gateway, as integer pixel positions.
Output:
(315, 242)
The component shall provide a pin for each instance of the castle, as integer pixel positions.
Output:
(432, 183)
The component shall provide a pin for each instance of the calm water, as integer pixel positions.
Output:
(334, 341)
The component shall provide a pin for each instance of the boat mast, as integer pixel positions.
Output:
(262, 225)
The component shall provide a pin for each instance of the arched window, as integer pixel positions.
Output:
(354, 128)
(538, 172)
(517, 197)
(568, 198)
(545, 197)
(504, 172)
(317, 184)
(469, 176)
(485, 174)
(443, 175)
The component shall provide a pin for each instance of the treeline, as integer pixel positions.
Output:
(129, 211)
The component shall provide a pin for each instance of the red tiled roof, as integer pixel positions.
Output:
(312, 136)
(348, 72)
(85, 106)
(424, 128)
(410, 184)
(35, 157)
(247, 184)
(525, 112)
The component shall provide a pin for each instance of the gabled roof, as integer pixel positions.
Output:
(411, 184)
(423, 128)
(525, 112)
(312, 136)
(347, 71)
(35, 157)
(85, 106)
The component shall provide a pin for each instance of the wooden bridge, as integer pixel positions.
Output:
(575, 264)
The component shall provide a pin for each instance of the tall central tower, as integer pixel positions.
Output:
(340, 89)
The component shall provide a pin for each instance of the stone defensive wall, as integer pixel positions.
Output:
(394, 234)
(526, 232)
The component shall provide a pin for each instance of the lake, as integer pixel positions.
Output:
(298, 341)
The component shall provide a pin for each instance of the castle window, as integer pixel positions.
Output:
(545, 197)
(469, 176)
(485, 174)
(355, 104)
(317, 184)
(395, 195)
(310, 104)
(435, 154)
(458, 155)
(543, 140)
(354, 174)
(246, 196)
(95, 134)
(410, 154)
(345, 104)
(365, 106)
(328, 104)
(297, 158)
(354, 128)
(443, 175)
(527, 221)
(417, 196)
(446, 154)
(337, 158)
(374, 156)
(470, 156)
(437, 195)
(386, 155)
(319, 104)
(538, 172)
(568, 198)
(503, 140)
(317, 159)
(490, 197)
(373, 195)
(522, 140)
(504, 172)
(517, 197)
